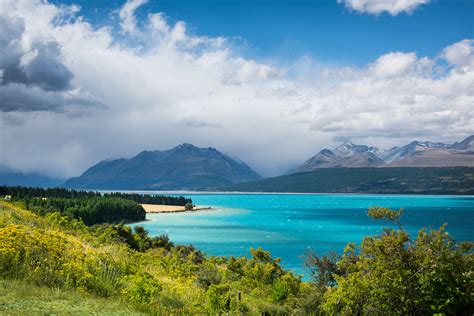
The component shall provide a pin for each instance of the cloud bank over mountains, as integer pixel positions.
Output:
(72, 94)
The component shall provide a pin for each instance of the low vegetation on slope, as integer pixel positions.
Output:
(446, 180)
(113, 266)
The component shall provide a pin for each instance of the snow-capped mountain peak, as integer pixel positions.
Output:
(415, 154)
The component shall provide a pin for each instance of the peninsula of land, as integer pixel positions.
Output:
(154, 208)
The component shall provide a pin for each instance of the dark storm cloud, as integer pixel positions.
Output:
(20, 97)
(10, 50)
(41, 65)
(45, 70)
(35, 80)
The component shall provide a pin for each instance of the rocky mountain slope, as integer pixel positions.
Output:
(185, 167)
(414, 154)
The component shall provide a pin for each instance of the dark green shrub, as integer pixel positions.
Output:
(207, 275)
(162, 241)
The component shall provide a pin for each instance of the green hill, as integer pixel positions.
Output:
(446, 180)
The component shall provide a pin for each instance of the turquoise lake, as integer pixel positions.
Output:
(290, 225)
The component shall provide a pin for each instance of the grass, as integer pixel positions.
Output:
(20, 298)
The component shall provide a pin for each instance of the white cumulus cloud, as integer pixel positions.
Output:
(393, 7)
(461, 53)
(127, 15)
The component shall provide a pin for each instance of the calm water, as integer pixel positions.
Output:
(289, 225)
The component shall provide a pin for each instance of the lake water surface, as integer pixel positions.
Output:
(289, 225)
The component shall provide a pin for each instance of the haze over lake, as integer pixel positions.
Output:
(290, 225)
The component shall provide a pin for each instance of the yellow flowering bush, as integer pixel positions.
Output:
(50, 258)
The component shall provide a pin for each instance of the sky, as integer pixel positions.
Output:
(323, 29)
(268, 82)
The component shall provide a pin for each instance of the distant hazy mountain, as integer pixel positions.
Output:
(467, 144)
(185, 167)
(13, 177)
(415, 154)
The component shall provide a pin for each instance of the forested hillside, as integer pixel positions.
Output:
(19, 192)
(88, 206)
(448, 180)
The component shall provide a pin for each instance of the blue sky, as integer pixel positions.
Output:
(322, 29)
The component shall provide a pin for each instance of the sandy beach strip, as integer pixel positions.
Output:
(153, 208)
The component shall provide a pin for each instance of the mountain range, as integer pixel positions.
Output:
(414, 154)
(187, 167)
(184, 167)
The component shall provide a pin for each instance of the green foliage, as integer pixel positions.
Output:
(310, 299)
(90, 210)
(188, 206)
(323, 269)
(162, 241)
(141, 288)
(207, 275)
(141, 238)
(280, 290)
(386, 214)
(136, 238)
(58, 220)
(151, 198)
(190, 253)
(218, 297)
(27, 193)
(262, 268)
(391, 272)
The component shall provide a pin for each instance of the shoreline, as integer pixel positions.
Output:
(157, 209)
(186, 192)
